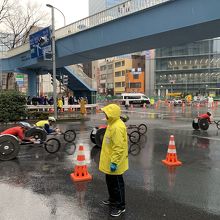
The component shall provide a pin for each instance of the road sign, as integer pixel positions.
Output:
(40, 42)
(20, 80)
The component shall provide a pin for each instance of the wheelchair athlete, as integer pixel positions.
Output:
(47, 125)
(206, 116)
(19, 132)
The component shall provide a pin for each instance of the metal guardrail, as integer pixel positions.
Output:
(65, 107)
(115, 12)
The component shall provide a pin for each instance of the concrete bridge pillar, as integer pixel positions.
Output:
(32, 83)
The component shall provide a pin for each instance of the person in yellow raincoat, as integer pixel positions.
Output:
(114, 159)
(59, 104)
(82, 103)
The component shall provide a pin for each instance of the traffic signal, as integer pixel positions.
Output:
(65, 80)
(47, 55)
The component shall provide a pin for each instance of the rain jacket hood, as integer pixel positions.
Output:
(113, 112)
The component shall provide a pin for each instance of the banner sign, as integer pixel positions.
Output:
(40, 42)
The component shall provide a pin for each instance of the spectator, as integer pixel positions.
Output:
(34, 100)
(59, 104)
(45, 100)
(28, 100)
(71, 100)
(50, 101)
(82, 103)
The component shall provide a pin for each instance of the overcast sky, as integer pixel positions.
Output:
(73, 10)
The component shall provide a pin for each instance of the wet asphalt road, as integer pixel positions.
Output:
(37, 185)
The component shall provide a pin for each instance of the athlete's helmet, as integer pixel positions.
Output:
(51, 119)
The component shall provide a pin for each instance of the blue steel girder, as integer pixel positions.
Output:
(176, 22)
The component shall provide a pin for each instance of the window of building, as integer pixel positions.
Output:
(102, 68)
(135, 76)
(123, 84)
(135, 85)
(117, 64)
(118, 74)
(185, 67)
(110, 66)
(122, 72)
(103, 76)
(117, 84)
(123, 63)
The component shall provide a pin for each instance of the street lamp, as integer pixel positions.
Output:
(54, 57)
(64, 18)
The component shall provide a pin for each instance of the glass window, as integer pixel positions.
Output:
(102, 68)
(135, 76)
(117, 64)
(118, 74)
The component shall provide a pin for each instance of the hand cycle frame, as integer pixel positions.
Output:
(10, 146)
(203, 124)
(40, 133)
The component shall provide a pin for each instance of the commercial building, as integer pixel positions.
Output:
(96, 6)
(191, 69)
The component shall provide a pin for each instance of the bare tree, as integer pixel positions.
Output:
(21, 21)
(5, 6)
(17, 22)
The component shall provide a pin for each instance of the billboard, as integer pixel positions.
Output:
(20, 79)
(40, 42)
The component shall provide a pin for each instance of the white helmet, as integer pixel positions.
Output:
(24, 124)
(51, 119)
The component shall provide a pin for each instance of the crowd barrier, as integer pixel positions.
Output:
(64, 108)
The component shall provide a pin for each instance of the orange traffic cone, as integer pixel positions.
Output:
(80, 171)
(51, 110)
(171, 158)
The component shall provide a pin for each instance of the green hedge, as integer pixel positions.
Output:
(12, 106)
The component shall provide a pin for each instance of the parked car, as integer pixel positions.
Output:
(135, 98)
(176, 101)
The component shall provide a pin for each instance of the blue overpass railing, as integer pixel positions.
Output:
(115, 12)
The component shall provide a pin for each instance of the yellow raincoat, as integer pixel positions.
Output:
(59, 103)
(83, 106)
(115, 142)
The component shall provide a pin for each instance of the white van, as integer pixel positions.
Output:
(135, 98)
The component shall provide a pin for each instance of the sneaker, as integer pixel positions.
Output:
(117, 212)
(106, 202)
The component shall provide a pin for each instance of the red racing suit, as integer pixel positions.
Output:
(206, 116)
(16, 131)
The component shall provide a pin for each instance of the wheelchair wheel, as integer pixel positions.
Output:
(92, 135)
(218, 124)
(37, 133)
(203, 124)
(52, 145)
(142, 128)
(99, 136)
(134, 137)
(9, 147)
(195, 125)
(69, 136)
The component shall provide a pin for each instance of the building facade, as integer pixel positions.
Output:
(190, 69)
(96, 6)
